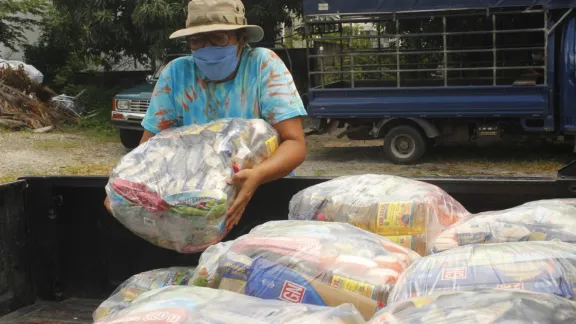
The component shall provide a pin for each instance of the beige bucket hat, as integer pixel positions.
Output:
(212, 15)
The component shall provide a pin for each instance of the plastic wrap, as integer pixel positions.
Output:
(326, 264)
(545, 267)
(196, 305)
(136, 285)
(382, 204)
(33, 73)
(415, 242)
(491, 306)
(172, 190)
(544, 220)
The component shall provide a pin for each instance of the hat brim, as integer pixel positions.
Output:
(254, 33)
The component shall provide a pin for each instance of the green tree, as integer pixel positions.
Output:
(17, 16)
(140, 28)
(269, 14)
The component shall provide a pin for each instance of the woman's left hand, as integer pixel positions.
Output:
(246, 182)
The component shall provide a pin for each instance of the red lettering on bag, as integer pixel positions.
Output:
(292, 292)
(454, 273)
(517, 285)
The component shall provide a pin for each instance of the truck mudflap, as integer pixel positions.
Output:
(15, 285)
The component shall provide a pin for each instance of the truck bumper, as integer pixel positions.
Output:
(127, 120)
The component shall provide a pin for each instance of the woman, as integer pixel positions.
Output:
(225, 78)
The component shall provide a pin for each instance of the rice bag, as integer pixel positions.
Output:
(490, 306)
(544, 220)
(382, 204)
(172, 190)
(138, 284)
(539, 266)
(325, 264)
(196, 305)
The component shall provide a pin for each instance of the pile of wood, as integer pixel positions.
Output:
(27, 104)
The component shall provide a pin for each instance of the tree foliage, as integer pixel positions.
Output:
(270, 13)
(139, 29)
(17, 16)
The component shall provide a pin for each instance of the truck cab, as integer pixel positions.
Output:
(129, 107)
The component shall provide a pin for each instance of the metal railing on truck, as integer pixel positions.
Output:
(431, 48)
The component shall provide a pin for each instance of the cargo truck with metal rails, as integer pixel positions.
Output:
(61, 253)
(418, 73)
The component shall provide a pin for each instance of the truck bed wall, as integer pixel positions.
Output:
(76, 249)
(499, 101)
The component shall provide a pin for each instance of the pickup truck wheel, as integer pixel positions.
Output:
(130, 138)
(404, 144)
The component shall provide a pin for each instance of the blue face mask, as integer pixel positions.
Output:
(216, 62)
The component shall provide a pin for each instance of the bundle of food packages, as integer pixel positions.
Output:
(538, 266)
(326, 264)
(136, 285)
(487, 306)
(172, 190)
(544, 220)
(195, 305)
(407, 211)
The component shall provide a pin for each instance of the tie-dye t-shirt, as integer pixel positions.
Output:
(263, 88)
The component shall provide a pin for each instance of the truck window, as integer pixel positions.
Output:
(428, 49)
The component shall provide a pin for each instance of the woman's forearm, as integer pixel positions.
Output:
(289, 155)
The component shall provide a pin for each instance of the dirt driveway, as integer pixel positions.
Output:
(92, 153)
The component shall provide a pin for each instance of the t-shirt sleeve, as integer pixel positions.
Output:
(161, 113)
(279, 98)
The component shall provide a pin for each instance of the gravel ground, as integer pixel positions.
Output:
(91, 153)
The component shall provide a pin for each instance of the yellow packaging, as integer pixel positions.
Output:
(416, 242)
(397, 218)
(272, 145)
(360, 288)
(213, 128)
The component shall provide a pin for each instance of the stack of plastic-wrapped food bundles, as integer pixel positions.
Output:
(172, 190)
(141, 283)
(190, 305)
(544, 220)
(326, 264)
(539, 266)
(492, 306)
(409, 212)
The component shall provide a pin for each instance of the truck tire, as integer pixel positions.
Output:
(130, 138)
(404, 144)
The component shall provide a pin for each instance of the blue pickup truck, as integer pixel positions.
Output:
(130, 106)
(416, 73)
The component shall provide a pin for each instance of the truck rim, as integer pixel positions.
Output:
(403, 146)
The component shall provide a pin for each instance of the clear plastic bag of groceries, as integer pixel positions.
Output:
(172, 190)
(382, 204)
(487, 306)
(138, 284)
(326, 264)
(543, 220)
(538, 266)
(197, 305)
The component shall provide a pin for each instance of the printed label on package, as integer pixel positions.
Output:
(396, 215)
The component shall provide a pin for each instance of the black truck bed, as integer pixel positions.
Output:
(61, 253)
(71, 311)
